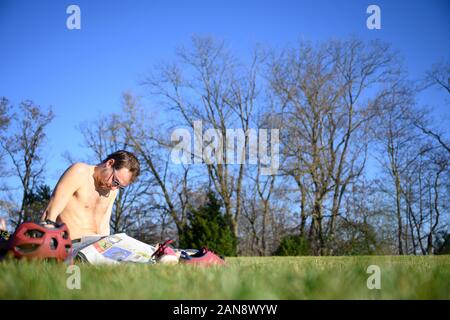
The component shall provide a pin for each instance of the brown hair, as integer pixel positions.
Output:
(125, 159)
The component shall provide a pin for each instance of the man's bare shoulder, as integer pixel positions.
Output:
(73, 178)
(78, 171)
(80, 168)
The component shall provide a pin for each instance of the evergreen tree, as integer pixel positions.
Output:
(293, 245)
(36, 201)
(208, 227)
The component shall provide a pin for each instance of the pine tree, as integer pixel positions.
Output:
(36, 202)
(208, 227)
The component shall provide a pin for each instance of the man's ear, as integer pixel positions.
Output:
(110, 162)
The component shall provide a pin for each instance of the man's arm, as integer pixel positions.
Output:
(104, 228)
(67, 185)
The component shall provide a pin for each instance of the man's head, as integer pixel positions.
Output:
(118, 170)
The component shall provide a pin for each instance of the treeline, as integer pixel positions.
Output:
(363, 168)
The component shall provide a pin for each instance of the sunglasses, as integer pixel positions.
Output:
(115, 181)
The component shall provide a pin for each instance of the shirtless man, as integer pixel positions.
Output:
(84, 196)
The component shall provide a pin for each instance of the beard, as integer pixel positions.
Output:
(102, 186)
(104, 190)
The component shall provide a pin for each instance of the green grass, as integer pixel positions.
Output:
(243, 278)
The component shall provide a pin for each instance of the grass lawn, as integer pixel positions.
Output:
(405, 277)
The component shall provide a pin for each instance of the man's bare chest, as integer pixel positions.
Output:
(92, 201)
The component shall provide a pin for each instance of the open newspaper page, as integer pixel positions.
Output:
(117, 248)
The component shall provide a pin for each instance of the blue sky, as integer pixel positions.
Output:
(82, 73)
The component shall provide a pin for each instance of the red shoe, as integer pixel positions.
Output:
(165, 254)
(203, 257)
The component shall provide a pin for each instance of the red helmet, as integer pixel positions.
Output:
(32, 240)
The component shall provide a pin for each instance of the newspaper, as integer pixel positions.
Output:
(117, 248)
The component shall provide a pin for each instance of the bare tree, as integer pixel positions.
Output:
(321, 92)
(104, 136)
(441, 164)
(394, 133)
(168, 186)
(5, 119)
(439, 76)
(438, 136)
(207, 84)
(24, 148)
(416, 164)
(425, 193)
